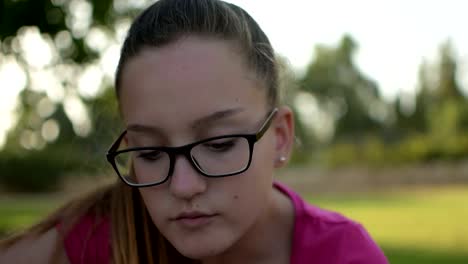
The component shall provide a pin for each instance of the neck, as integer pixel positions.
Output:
(268, 240)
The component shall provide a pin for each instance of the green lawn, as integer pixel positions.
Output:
(424, 225)
(21, 211)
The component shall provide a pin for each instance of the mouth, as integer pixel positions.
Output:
(193, 220)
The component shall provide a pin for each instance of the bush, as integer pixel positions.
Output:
(34, 171)
(416, 148)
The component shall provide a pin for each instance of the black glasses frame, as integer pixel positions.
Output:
(185, 150)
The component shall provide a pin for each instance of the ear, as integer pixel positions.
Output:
(284, 135)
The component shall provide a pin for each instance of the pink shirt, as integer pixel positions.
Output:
(325, 237)
(88, 242)
(320, 237)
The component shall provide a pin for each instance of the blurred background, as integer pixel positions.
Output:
(379, 89)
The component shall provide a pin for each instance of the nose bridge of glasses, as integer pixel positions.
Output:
(185, 178)
(182, 153)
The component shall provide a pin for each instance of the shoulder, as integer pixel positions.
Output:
(333, 238)
(39, 249)
(329, 237)
(88, 240)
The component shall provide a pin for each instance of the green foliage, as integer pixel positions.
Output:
(41, 13)
(31, 161)
(434, 130)
(342, 90)
(37, 171)
(53, 17)
(68, 36)
(417, 148)
(447, 86)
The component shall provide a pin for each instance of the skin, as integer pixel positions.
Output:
(38, 249)
(196, 88)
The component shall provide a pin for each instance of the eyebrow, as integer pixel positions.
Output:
(218, 115)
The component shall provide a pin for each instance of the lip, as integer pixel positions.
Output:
(194, 219)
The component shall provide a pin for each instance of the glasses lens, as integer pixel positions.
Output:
(222, 156)
(143, 166)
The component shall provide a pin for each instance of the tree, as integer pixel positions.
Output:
(351, 98)
(66, 113)
(63, 48)
(440, 114)
(447, 85)
(415, 120)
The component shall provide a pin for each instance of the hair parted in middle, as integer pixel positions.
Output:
(166, 21)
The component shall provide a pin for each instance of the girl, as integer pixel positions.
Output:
(197, 86)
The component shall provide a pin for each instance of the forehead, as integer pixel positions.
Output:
(191, 76)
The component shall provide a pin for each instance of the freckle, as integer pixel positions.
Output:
(236, 197)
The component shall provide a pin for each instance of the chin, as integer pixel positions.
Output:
(200, 248)
(199, 251)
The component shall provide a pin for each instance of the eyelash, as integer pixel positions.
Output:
(225, 145)
(149, 156)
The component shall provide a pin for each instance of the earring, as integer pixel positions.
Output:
(282, 159)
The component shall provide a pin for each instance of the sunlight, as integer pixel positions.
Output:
(462, 75)
(121, 6)
(12, 80)
(79, 17)
(36, 50)
(30, 139)
(50, 130)
(63, 40)
(78, 114)
(45, 107)
(320, 122)
(90, 82)
(98, 39)
(110, 59)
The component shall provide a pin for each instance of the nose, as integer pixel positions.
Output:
(186, 182)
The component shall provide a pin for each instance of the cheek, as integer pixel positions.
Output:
(263, 161)
(250, 191)
(257, 181)
(155, 203)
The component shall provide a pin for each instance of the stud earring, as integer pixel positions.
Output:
(282, 159)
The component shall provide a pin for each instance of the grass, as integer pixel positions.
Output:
(408, 255)
(21, 211)
(422, 225)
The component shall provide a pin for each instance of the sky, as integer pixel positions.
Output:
(393, 37)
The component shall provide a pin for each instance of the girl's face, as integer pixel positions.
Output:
(192, 89)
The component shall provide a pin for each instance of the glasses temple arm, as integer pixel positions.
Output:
(115, 145)
(267, 123)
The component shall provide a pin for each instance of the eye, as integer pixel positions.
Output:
(221, 145)
(153, 155)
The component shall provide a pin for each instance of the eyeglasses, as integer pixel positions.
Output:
(212, 157)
